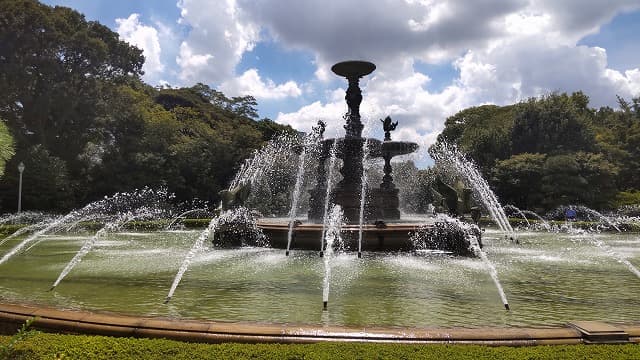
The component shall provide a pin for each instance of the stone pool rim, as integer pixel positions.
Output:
(49, 319)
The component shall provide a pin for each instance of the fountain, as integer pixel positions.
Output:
(372, 214)
(448, 278)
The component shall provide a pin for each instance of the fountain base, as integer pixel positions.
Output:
(378, 236)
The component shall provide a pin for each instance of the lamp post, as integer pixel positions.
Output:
(20, 170)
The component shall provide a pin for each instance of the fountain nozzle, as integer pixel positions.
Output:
(359, 255)
(166, 301)
(506, 306)
(324, 305)
(52, 288)
(286, 253)
(321, 253)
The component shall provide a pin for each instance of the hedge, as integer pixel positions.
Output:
(57, 346)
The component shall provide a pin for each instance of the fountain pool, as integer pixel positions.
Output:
(550, 278)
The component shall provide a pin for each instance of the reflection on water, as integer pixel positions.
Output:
(549, 279)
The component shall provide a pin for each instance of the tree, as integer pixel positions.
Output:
(517, 180)
(618, 138)
(7, 149)
(482, 132)
(55, 69)
(52, 66)
(553, 124)
(579, 178)
(45, 182)
(138, 137)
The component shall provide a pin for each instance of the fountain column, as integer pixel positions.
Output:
(347, 192)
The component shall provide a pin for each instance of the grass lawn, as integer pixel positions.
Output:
(36, 345)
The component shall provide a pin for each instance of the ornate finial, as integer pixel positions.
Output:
(388, 125)
(319, 130)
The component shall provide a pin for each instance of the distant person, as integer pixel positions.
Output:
(570, 214)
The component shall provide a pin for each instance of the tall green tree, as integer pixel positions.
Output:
(517, 180)
(483, 133)
(553, 124)
(54, 67)
(578, 178)
(618, 138)
(7, 149)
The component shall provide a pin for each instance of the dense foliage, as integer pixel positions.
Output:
(553, 150)
(51, 346)
(86, 126)
(6, 146)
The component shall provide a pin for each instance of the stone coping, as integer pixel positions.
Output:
(93, 323)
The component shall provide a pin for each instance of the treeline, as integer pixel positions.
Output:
(554, 150)
(74, 110)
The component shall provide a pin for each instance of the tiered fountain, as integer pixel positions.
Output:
(372, 214)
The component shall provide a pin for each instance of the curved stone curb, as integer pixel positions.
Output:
(82, 322)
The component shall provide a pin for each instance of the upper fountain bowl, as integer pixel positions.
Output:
(353, 68)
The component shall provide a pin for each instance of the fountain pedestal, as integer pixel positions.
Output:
(380, 203)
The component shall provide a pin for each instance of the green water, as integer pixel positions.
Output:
(548, 279)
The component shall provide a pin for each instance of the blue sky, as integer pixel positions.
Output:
(434, 58)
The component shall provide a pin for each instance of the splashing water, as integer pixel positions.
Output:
(608, 250)
(226, 217)
(492, 270)
(24, 217)
(541, 220)
(332, 237)
(27, 229)
(309, 142)
(101, 209)
(197, 247)
(330, 181)
(453, 160)
(89, 243)
(263, 160)
(363, 192)
(598, 215)
(182, 216)
(477, 249)
(52, 225)
(295, 197)
(522, 215)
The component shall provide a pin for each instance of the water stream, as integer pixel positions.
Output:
(455, 161)
(29, 239)
(295, 197)
(197, 247)
(90, 242)
(477, 249)
(327, 197)
(363, 192)
(332, 238)
(522, 215)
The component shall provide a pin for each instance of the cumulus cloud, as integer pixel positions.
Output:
(144, 37)
(250, 83)
(381, 30)
(503, 51)
(402, 94)
(219, 34)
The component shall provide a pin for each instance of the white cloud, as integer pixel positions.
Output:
(219, 35)
(503, 51)
(634, 80)
(146, 38)
(250, 83)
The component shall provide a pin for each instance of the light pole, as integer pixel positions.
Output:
(20, 170)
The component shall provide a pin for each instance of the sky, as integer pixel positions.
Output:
(433, 57)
